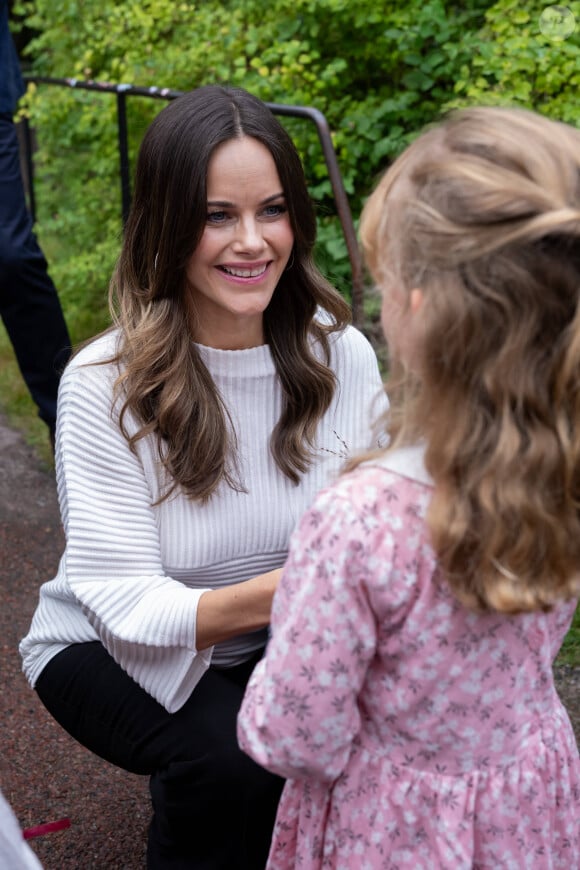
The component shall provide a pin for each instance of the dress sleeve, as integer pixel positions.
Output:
(144, 618)
(300, 714)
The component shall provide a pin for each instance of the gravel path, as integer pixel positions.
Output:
(44, 773)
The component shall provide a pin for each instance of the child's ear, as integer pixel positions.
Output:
(415, 300)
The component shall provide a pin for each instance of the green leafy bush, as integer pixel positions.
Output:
(379, 70)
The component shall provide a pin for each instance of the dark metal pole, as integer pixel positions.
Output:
(123, 155)
(340, 199)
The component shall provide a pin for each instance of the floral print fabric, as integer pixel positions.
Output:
(413, 733)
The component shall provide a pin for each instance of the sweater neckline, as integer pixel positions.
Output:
(249, 362)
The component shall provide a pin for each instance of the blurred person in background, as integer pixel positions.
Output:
(29, 305)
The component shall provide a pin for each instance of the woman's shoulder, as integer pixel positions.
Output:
(348, 346)
(351, 338)
(97, 353)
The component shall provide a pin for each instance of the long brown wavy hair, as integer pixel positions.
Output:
(482, 212)
(164, 382)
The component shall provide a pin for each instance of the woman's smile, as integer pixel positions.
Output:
(245, 273)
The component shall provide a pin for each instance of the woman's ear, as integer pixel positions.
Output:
(415, 300)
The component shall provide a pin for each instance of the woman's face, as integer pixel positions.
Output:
(244, 249)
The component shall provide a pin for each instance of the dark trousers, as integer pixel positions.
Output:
(213, 807)
(29, 304)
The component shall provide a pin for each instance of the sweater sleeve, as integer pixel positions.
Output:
(144, 618)
(300, 711)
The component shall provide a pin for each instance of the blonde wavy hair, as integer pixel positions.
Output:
(164, 382)
(482, 212)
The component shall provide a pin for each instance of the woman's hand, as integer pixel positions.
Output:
(237, 609)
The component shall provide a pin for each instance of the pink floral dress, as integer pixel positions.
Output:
(414, 734)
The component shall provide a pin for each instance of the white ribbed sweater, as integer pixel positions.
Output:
(132, 574)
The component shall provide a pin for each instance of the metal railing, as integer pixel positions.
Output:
(123, 91)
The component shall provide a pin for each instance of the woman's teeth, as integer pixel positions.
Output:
(244, 273)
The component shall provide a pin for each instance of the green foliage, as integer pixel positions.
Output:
(376, 72)
(379, 70)
(570, 652)
(520, 62)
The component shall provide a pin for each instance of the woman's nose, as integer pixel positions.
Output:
(249, 236)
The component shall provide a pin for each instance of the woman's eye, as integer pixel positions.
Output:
(274, 210)
(216, 217)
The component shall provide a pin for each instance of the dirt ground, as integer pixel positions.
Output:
(44, 774)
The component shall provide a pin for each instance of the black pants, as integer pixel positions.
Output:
(29, 304)
(213, 807)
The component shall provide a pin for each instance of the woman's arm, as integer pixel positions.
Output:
(232, 610)
(113, 563)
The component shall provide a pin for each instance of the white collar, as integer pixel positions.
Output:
(406, 461)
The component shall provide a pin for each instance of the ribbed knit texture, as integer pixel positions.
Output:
(132, 574)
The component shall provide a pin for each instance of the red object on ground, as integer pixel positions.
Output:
(47, 828)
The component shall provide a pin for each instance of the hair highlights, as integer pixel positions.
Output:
(483, 213)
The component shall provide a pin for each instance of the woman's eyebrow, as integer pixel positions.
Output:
(272, 198)
(219, 203)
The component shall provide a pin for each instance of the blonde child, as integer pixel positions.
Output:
(407, 691)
